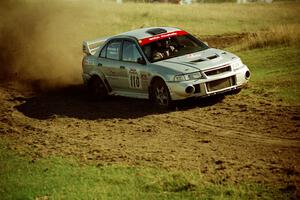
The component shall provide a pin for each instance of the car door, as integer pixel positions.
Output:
(135, 67)
(109, 62)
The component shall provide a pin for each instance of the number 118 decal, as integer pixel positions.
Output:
(134, 79)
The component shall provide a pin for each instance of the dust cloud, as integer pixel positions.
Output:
(39, 45)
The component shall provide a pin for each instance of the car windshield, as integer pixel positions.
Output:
(172, 47)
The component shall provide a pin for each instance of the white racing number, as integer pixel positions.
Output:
(135, 79)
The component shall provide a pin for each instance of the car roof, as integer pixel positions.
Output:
(146, 32)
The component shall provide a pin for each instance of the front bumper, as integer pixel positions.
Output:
(210, 85)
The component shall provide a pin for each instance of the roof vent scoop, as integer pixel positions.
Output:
(156, 31)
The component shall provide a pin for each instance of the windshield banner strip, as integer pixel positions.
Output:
(148, 40)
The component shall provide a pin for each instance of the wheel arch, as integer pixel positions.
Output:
(155, 78)
(101, 76)
(152, 81)
(97, 74)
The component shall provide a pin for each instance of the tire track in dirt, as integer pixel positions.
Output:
(245, 134)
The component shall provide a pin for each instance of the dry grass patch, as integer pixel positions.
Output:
(281, 35)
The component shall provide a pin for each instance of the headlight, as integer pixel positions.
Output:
(193, 76)
(187, 77)
(179, 78)
(237, 65)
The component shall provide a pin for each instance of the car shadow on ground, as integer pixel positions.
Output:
(73, 101)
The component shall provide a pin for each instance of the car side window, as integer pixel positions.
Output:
(113, 50)
(103, 52)
(130, 52)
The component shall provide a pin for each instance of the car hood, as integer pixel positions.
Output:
(201, 60)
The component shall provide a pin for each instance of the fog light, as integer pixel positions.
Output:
(189, 89)
(247, 75)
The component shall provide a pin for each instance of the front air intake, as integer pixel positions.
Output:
(212, 57)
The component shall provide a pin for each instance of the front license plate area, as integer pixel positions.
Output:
(220, 84)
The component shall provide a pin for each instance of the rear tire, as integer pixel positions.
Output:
(97, 89)
(160, 94)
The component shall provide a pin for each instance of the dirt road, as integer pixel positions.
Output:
(236, 138)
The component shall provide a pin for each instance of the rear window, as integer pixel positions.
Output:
(113, 50)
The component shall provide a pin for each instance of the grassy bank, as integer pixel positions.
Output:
(200, 19)
(58, 178)
(89, 19)
(275, 73)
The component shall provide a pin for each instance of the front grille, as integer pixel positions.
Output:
(218, 71)
(220, 84)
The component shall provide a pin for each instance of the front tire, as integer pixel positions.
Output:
(97, 89)
(160, 94)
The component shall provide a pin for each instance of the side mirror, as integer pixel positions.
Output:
(141, 61)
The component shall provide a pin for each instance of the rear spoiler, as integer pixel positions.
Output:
(90, 47)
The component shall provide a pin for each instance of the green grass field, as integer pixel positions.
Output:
(58, 178)
(275, 75)
(199, 19)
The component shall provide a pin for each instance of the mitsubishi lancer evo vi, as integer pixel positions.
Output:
(162, 64)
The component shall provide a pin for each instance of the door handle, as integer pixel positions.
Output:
(99, 64)
(122, 67)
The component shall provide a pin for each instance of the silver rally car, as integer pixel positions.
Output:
(162, 64)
